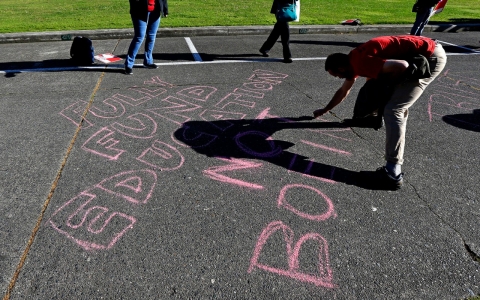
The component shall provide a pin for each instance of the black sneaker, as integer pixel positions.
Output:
(288, 60)
(150, 66)
(264, 53)
(128, 71)
(380, 180)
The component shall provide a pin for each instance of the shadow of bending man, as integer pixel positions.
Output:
(464, 121)
(251, 139)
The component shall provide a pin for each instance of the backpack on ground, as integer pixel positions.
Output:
(82, 51)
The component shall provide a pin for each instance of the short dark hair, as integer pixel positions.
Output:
(335, 61)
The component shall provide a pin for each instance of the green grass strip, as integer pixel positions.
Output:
(53, 15)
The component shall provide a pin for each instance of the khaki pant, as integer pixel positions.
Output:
(396, 110)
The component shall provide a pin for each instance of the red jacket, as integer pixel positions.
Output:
(139, 8)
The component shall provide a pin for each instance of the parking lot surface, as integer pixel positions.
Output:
(207, 178)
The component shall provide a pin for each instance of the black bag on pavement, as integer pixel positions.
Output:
(82, 51)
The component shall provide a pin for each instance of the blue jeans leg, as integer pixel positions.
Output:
(421, 20)
(143, 29)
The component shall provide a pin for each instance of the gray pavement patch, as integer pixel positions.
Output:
(49, 197)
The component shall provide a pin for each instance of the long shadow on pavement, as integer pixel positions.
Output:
(251, 139)
(464, 121)
(54, 65)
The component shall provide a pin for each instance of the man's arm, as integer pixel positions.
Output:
(394, 68)
(339, 96)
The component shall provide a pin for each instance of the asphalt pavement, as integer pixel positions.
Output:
(208, 179)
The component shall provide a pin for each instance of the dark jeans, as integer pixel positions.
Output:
(281, 29)
(421, 20)
(143, 29)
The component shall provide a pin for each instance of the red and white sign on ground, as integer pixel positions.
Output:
(439, 8)
(107, 58)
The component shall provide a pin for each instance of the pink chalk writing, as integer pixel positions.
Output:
(323, 278)
(330, 133)
(103, 144)
(86, 236)
(74, 113)
(308, 169)
(219, 119)
(263, 80)
(135, 96)
(140, 126)
(453, 94)
(158, 81)
(275, 150)
(98, 217)
(88, 221)
(238, 98)
(282, 202)
(113, 108)
(326, 148)
(267, 76)
(149, 92)
(134, 186)
(200, 93)
(264, 114)
(450, 104)
(162, 156)
(196, 139)
(174, 110)
(235, 164)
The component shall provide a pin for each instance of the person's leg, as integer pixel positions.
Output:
(139, 27)
(396, 112)
(421, 21)
(153, 23)
(395, 115)
(285, 35)
(416, 24)
(272, 39)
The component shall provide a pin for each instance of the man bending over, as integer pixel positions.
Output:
(391, 60)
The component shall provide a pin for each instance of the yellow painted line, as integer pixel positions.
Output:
(50, 195)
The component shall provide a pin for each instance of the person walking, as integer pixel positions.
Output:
(280, 29)
(384, 58)
(424, 9)
(146, 15)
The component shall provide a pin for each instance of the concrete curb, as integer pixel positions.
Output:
(103, 34)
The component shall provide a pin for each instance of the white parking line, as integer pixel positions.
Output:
(177, 63)
(198, 60)
(194, 51)
(461, 47)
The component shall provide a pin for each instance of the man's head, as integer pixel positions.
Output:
(338, 65)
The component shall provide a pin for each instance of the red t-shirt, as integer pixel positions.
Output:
(151, 5)
(367, 59)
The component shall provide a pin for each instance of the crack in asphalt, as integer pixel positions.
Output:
(53, 188)
(475, 257)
